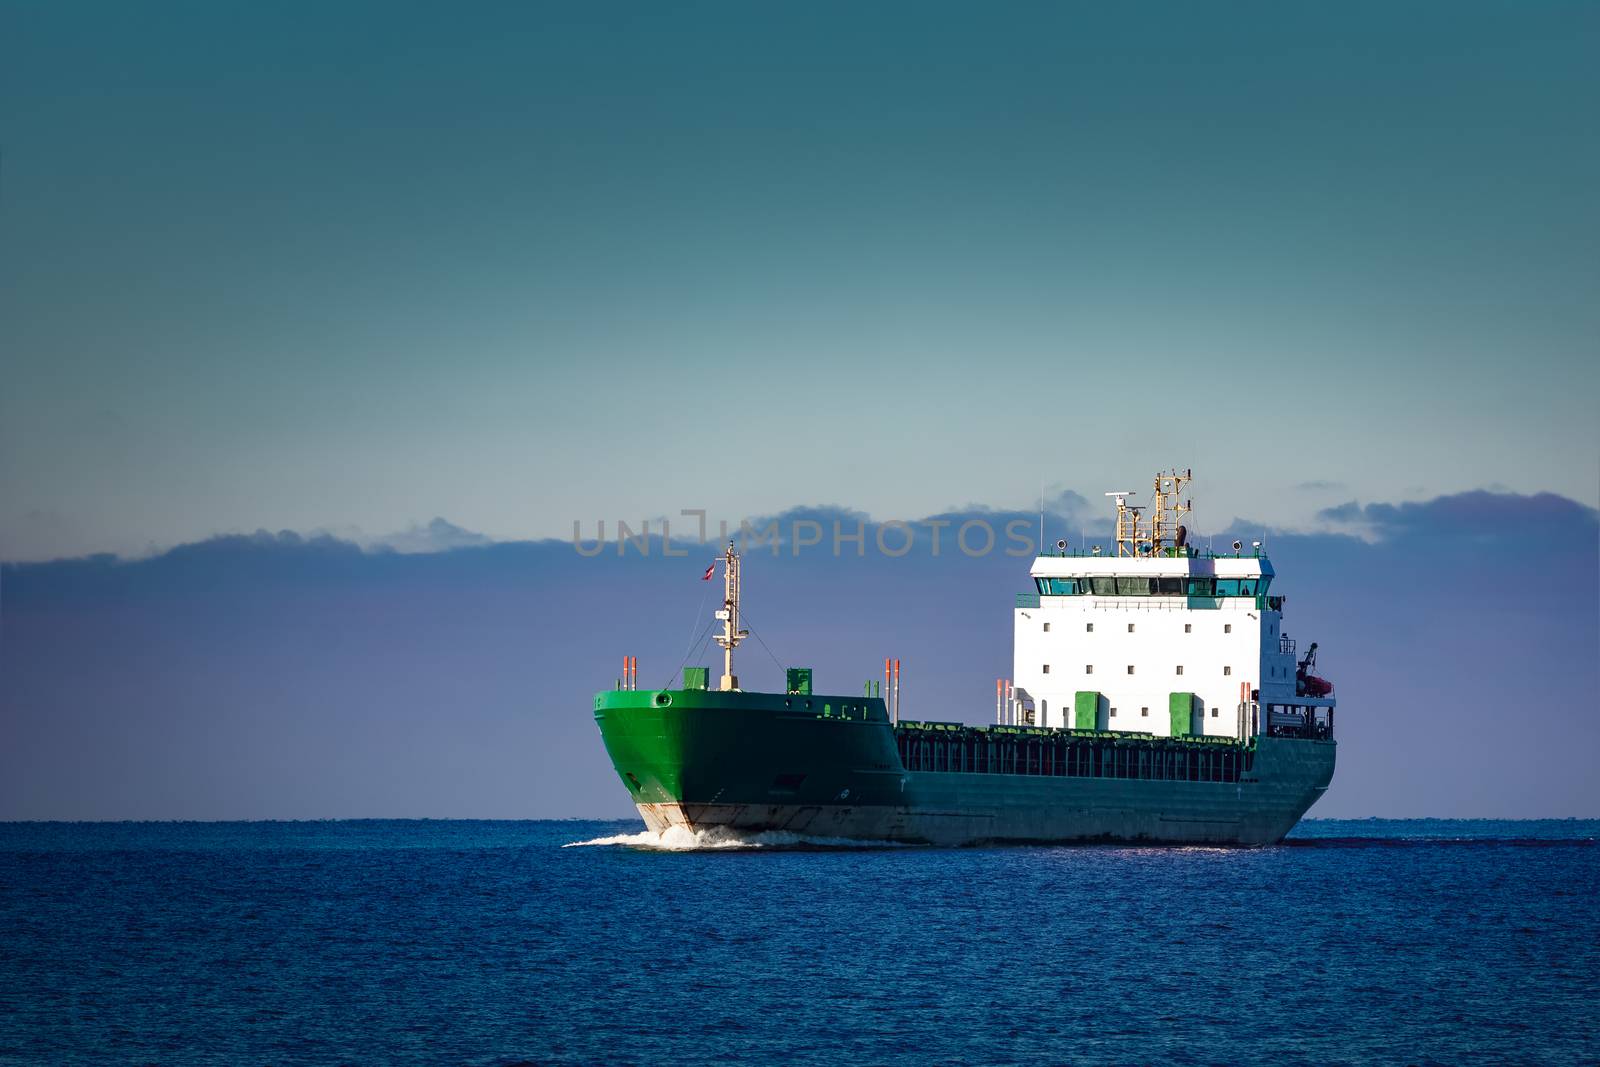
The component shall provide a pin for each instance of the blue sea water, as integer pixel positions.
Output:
(492, 943)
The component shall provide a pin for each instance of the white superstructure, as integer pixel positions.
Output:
(1153, 636)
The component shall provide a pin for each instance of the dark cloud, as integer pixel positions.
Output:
(1480, 519)
(275, 675)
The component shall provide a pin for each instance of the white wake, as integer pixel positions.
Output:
(682, 839)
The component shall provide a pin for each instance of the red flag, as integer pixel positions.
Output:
(706, 577)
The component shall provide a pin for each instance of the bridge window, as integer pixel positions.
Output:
(1240, 586)
(1128, 585)
(1061, 586)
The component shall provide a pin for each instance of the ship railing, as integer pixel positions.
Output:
(1286, 644)
(1136, 602)
(1155, 603)
(1300, 721)
(1108, 551)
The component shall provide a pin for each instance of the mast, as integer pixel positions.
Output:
(1169, 508)
(731, 635)
(1166, 517)
(1127, 523)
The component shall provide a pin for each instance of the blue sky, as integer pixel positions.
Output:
(350, 267)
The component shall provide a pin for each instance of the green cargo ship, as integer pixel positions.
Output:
(1156, 625)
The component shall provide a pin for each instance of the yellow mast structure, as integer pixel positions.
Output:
(1169, 509)
(1127, 524)
(1167, 512)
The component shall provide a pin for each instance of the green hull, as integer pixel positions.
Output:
(835, 767)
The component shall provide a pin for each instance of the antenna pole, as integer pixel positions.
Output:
(1041, 517)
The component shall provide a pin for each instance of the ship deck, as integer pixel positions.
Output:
(958, 748)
